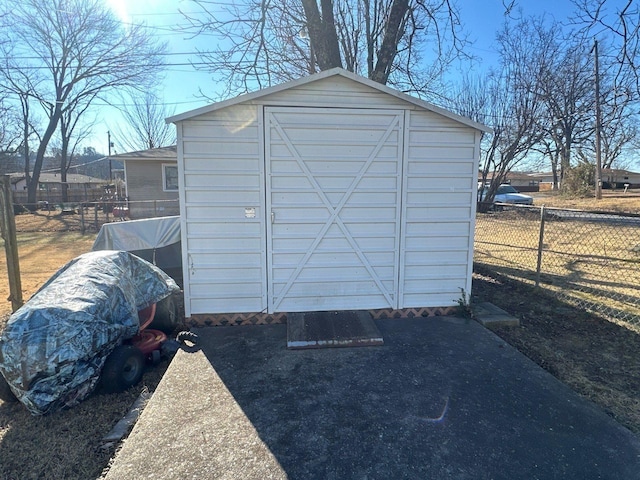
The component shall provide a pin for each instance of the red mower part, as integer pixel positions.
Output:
(148, 340)
(145, 316)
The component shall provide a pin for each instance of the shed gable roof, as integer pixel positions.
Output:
(319, 76)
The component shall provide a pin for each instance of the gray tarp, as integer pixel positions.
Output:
(157, 240)
(146, 234)
(53, 348)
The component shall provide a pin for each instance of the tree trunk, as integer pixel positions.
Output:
(32, 188)
(27, 163)
(322, 33)
(393, 33)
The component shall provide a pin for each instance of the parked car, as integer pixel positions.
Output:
(506, 194)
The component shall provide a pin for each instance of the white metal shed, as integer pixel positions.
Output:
(331, 192)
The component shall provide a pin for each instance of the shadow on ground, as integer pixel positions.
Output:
(443, 398)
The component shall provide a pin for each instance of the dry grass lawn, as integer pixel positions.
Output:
(41, 254)
(612, 201)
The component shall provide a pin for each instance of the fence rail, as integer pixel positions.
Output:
(589, 259)
(90, 216)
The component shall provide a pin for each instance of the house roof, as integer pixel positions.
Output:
(617, 171)
(517, 175)
(75, 178)
(162, 153)
(610, 171)
(248, 97)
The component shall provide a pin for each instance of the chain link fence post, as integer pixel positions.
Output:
(540, 246)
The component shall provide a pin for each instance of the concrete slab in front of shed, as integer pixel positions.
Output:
(488, 314)
(332, 329)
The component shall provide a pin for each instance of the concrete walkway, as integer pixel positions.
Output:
(444, 398)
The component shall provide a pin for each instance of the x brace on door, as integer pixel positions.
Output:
(334, 214)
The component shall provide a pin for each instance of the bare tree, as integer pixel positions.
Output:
(145, 127)
(620, 22)
(616, 26)
(507, 100)
(9, 133)
(565, 87)
(503, 100)
(403, 43)
(619, 129)
(81, 51)
(21, 87)
(72, 133)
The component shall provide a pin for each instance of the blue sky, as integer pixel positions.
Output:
(181, 85)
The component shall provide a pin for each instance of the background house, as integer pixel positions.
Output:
(617, 178)
(611, 179)
(331, 192)
(81, 188)
(151, 182)
(521, 181)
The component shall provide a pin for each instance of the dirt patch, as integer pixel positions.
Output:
(67, 444)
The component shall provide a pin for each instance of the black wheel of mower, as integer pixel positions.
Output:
(123, 369)
(167, 316)
(156, 357)
(6, 394)
(187, 339)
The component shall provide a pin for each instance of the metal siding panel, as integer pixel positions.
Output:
(438, 286)
(417, 272)
(186, 289)
(436, 168)
(472, 223)
(223, 147)
(438, 206)
(431, 121)
(441, 136)
(210, 304)
(431, 299)
(437, 244)
(444, 199)
(234, 290)
(223, 198)
(323, 252)
(351, 302)
(335, 92)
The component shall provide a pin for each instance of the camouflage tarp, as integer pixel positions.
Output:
(53, 348)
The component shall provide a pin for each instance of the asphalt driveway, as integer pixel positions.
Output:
(443, 398)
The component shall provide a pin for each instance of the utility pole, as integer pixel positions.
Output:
(598, 125)
(110, 145)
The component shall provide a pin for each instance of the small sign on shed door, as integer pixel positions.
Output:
(250, 212)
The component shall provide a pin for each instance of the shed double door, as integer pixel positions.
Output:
(333, 206)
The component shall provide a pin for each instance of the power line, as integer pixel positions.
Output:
(165, 54)
(111, 104)
(179, 64)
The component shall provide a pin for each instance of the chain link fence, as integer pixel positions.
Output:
(90, 216)
(588, 259)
